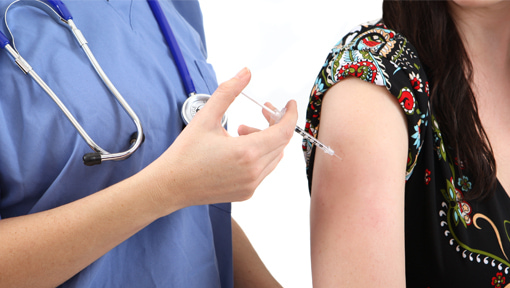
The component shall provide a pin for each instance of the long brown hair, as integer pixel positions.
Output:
(428, 25)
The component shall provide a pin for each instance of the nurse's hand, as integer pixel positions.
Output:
(206, 165)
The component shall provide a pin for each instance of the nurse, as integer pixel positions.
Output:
(152, 220)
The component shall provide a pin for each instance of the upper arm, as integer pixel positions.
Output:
(357, 208)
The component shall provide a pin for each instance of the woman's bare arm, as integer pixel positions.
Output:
(357, 209)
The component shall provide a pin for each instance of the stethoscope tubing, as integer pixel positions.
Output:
(100, 153)
(105, 155)
(173, 46)
(191, 106)
(195, 101)
(3, 40)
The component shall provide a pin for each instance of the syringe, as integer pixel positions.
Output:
(276, 115)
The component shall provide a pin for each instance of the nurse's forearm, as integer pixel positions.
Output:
(47, 248)
(249, 270)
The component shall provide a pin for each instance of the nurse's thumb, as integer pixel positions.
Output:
(226, 93)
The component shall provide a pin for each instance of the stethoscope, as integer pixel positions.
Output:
(56, 8)
(195, 101)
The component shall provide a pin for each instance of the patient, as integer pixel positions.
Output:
(418, 107)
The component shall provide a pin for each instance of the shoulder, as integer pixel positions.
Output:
(366, 124)
(368, 128)
(381, 56)
(377, 55)
(371, 52)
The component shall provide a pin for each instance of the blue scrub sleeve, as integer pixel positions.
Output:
(221, 220)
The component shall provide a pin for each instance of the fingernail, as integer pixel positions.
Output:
(243, 74)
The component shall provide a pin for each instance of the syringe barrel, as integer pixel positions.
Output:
(303, 133)
(314, 140)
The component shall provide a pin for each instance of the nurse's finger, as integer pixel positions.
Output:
(273, 162)
(277, 136)
(245, 130)
(225, 95)
(269, 117)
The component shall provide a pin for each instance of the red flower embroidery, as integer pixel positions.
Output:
(370, 43)
(499, 280)
(458, 163)
(416, 83)
(364, 70)
(406, 100)
(427, 178)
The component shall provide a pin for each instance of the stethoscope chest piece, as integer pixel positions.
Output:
(193, 104)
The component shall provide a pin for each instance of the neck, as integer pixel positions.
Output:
(485, 30)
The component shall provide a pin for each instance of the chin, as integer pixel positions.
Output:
(477, 3)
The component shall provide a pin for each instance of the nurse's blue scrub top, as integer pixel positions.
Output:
(41, 153)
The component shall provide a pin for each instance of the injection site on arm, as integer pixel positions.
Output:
(276, 115)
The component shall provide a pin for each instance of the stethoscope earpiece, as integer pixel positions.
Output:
(91, 159)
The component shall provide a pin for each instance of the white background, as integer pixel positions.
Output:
(284, 43)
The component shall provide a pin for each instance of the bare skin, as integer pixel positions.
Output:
(347, 206)
(486, 31)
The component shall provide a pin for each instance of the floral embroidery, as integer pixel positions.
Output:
(407, 101)
(318, 87)
(461, 209)
(427, 176)
(438, 140)
(416, 82)
(458, 163)
(498, 280)
(464, 183)
(416, 135)
(364, 70)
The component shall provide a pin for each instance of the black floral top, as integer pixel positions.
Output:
(449, 242)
